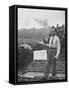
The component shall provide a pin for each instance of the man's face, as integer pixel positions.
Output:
(53, 32)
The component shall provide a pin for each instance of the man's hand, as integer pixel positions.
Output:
(56, 56)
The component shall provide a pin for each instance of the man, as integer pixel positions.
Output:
(53, 53)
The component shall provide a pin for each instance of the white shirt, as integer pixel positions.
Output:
(55, 43)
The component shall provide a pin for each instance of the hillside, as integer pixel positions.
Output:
(33, 33)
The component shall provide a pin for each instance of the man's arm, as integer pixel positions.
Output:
(58, 48)
(49, 44)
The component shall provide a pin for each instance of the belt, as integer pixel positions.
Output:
(52, 48)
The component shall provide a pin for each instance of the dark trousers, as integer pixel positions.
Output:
(51, 62)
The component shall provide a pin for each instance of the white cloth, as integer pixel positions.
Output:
(40, 55)
(26, 46)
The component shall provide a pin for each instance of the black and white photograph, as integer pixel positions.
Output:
(41, 45)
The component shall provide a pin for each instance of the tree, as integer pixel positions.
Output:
(60, 31)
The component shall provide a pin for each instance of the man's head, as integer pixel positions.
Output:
(52, 32)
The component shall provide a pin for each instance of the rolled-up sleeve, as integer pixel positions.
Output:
(58, 47)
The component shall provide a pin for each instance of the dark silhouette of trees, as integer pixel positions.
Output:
(60, 31)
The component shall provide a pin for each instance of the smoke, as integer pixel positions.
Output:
(43, 23)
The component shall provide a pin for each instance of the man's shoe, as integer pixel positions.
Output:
(54, 77)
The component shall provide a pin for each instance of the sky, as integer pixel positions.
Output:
(26, 17)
